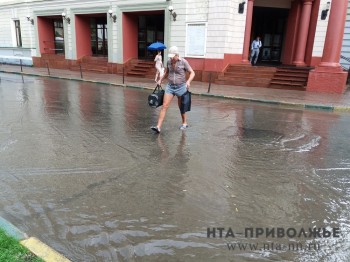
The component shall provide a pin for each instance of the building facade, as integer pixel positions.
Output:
(211, 34)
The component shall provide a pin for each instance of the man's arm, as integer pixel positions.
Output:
(189, 80)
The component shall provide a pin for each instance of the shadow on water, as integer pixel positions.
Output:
(81, 170)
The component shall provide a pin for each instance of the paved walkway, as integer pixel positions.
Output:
(337, 102)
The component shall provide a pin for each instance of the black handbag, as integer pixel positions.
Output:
(185, 102)
(156, 98)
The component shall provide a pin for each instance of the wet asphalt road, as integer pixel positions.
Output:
(81, 170)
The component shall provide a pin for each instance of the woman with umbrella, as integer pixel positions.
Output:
(159, 66)
(157, 46)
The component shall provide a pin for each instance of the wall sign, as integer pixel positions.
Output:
(196, 35)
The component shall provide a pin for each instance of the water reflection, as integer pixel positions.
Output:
(94, 103)
(55, 98)
(23, 95)
(136, 113)
(171, 167)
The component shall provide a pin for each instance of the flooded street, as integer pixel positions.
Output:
(81, 170)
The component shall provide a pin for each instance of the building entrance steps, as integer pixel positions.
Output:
(294, 78)
(142, 68)
(92, 63)
(280, 77)
(246, 75)
(52, 60)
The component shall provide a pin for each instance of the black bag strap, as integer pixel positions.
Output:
(158, 88)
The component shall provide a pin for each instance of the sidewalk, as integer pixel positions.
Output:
(332, 102)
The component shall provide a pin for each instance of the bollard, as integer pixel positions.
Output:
(81, 72)
(209, 82)
(48, 69)
(20, 62)
(123, 74)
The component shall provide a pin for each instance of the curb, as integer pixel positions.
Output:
(281, 103)
(33, 244)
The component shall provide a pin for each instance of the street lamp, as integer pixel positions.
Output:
(113, 17)
(241, 7)
(324, 12)
(172, 12)
(31, 20)
(66, 18)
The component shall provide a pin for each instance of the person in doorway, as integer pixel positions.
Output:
(177, 85)
(255, 49)
(159, 66)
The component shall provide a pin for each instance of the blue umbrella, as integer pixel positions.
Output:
(156, 46)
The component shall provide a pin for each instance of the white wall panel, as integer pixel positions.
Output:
(321, 31)
(346, 41)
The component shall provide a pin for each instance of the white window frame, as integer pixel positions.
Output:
(187, 51)
(18, 37)
(13, 32)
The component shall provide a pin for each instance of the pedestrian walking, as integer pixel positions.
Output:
(159, 66)
(255, 49)
(177, 85)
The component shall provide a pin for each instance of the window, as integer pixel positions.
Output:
(196, 35)
(18, 33)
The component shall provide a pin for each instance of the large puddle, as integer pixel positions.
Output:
(81, 170)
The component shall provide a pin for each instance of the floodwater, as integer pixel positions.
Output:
(81, 170)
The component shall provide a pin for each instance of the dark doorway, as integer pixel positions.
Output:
(99, 41)
(59, 36)
(150, 30)
(269, 24)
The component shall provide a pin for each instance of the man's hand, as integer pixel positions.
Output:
(188, 84)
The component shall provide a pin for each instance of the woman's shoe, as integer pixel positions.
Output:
(183, 127)
(155, 129)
